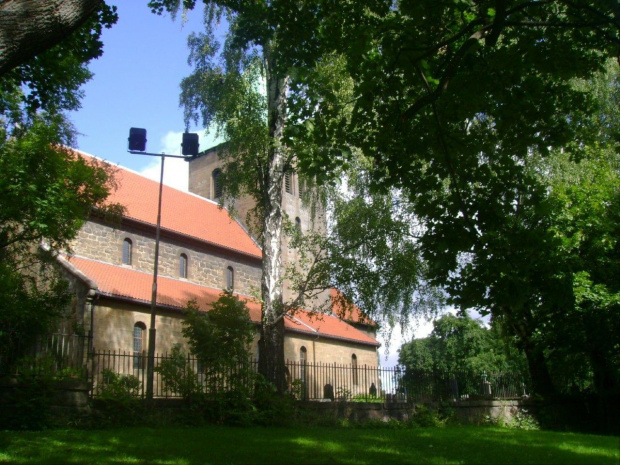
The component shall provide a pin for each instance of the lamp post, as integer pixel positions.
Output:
(189, 150)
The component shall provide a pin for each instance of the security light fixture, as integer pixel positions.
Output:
(190, 144)
(137, 139)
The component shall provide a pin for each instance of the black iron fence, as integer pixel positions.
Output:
(313, 381)
(60, 355)
(73, 356)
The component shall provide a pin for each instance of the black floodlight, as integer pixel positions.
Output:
(137, 139)
(190, 144)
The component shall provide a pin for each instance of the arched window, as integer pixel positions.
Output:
(183, 265)
(298, 224)
(288, 183)
(139, 346)
(217, 183)
(127, 246)
(230, 278)
(354, 369)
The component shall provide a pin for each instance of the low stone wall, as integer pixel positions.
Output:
(362, 411)
(70, 401)
(494, 410)
(44, 404)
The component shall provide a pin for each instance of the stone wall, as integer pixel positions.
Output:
(206, 264)
(480, 412)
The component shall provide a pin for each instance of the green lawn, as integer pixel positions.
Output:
(214, 445)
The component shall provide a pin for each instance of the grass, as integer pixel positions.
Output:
(215, 445)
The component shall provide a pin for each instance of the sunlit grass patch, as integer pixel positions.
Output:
(349, 446)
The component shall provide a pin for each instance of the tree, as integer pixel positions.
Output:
(583, 340)
(460, 343)
(221, 337)
(248, 94)
(451, 101)
(29, 28)
(47, 190)
(51, 79)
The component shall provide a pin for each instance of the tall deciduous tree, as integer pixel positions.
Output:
(459, 343)
(266, 99)
(451, 100)
(47, 190)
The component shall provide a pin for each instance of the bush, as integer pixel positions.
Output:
(119, 401)
(178, 376)
(26, 405)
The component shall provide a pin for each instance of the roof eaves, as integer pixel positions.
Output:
(76, 272)
(338, 338)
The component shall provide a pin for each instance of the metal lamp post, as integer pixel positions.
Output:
(189, 150)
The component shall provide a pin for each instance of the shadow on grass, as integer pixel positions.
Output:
(214, 445)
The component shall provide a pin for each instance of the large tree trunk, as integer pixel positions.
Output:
(29, 27)
(271, 361)
(521, 324)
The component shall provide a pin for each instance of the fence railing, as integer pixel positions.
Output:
(57, 354)
(318, 381)
(72, 355)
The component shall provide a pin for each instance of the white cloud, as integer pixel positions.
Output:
(176, 170)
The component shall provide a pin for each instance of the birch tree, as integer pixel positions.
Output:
(274, 102)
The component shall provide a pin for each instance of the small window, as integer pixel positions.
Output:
(183, 265)
(230, 278)
(288, 184)
(354, 369)
(127, 246)
(217, 183)
(139, 346)
(298, 224)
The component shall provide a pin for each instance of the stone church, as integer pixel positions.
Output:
(202, 251)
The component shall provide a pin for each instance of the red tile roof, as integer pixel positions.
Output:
(182, 212)
(328, 326)
(126, 283)
(351, 313)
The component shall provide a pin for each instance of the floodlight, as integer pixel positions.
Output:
(137, 139)
(190, 144)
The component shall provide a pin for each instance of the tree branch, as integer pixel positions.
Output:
(29, 27)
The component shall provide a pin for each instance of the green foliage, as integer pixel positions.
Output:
(374, 258)
(426, 417)
(119, 401)
(26, 402)
(524, 420)
(221, 337)
(178, 375)
(51, 80)
(47, 190)
(459, 343)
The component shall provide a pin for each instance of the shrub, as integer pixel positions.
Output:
(119, 401)
(178, 376)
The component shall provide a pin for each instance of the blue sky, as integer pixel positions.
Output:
(136, 84)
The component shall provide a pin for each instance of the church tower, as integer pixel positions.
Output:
(204, 172)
